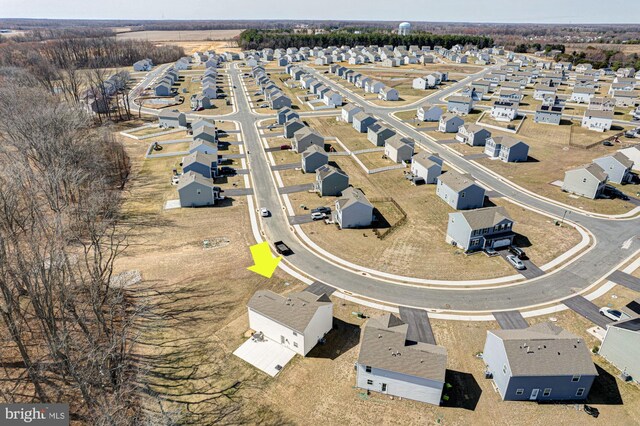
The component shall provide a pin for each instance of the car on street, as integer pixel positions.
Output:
(264, 212)
(323, 209)
(515, 262)
(518, 252)
(612, 314)
(318, 215)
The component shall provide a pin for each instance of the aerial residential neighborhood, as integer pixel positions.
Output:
(325, 214)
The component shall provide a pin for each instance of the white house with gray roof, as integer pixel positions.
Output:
(458, 104)
(588, 181)
(540, 363)
(348, 111)
(304, 138)
(479, 229)
(331, 180)
(399, 149)
(507, 149)
(633, 153)
(362, 121)
(472, 135)
(429, 112)
(597, 120)
(195, 190)
(449, 123)
(297, 321)
(390, 364)
(353, 209)
(378, 134)
(617, 167)
(460, 191)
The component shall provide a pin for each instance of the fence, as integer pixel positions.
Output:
(384, 234)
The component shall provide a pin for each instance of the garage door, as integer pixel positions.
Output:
(501, 243)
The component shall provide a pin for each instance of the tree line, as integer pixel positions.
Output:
(274, 39)
(598, 57)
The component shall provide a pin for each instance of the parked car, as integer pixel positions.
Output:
(226, 170)
(285, 146)
(318, 215)
(612, 314)
(520, 254)
(490, 251)
(264, 106)
(517, 263)
(607, 143)
(325, 210)
(264, 212)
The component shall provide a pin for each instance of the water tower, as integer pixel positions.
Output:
(404, 29)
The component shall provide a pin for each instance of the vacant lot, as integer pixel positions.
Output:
(197, 35)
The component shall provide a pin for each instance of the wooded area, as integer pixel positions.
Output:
(274, 39)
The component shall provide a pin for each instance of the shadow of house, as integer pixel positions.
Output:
(604, 389)
(342, 337)
(462, 390)
(521, 241)
(531, 159)
(379, 221)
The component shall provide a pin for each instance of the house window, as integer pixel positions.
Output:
(547, 392)
(462, 194)
(295, 344)
(198, 192)
(369, 382)
(584, 180)
(519, 391)
(367, 369)
(504, 368)
(580, 392)
(575, 378)
(475, 242)
(384, 387)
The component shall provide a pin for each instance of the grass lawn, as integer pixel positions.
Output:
(550, 156)
(330, 126)
(374, 160)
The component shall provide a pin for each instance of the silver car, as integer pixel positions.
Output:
(517, 263)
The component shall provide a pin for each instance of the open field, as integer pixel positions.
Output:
(179, 36)
(627, 49)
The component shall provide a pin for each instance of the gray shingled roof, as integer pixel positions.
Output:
(597, 171)
(546, 350)
(424, 159)
(312, 150)
(383, 346)
(508, 141)
(598, 114)
(326, 170)
(199, 157)
(487, 217)
(294, 310)
(456, 181)
(190, 177)
(351, 196)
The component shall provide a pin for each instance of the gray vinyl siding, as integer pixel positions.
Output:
(562, 388)
(196, 195)
(333, 184)
(458, 231)
(616, 171)
(470, 198)
(312, 162)
(573, 182)
(622, 348)
(495, 360)
(355, 216)
(401, 385)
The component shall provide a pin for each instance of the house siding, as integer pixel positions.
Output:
(276, 332)
(401, 385)
(622, 348)
(319, 326)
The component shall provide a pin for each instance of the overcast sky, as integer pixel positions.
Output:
(534, 11)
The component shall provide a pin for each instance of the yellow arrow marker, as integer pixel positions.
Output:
(264, 262)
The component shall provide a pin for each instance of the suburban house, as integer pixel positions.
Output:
(597, 120)
(348, 111)
(388, 94)
(540, 363)
(460, 191)
(330, 180)
(291, 127)
(426, 166)
(196, 190)
(621, 347)
(541, 91)
(617, 166)
(314, 157)
(479, 229)
(582, 94)
(172, 119)
(200, 101)
(472, 134)
(297, 321)
(304, 138)
(163, 88)
(286, 114)
(390, 363)
(279, 101)
(378, 134)
(429, 112)
(205, 132)
(199, 162)
(332, 99)
(633, 153)
(353, 209)
(143, 65)
(203, 147)
(548, 114)
(399, 149)
(507, 149)
(504, 110)
(362, 121)
(450, 123)
(588, 181)
(459, 104)
(602, 103)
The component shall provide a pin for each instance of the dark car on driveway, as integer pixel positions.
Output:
(325, 210)
(518, 252)
(225, 170)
